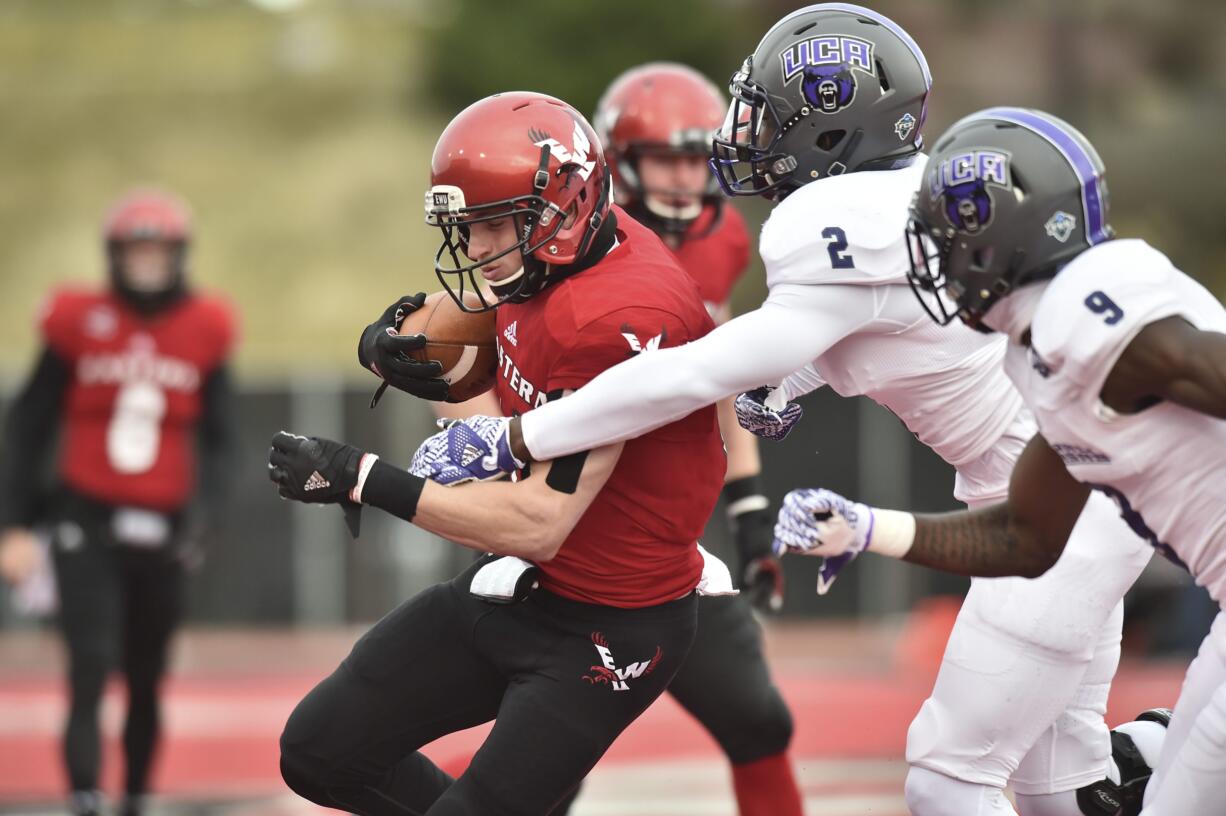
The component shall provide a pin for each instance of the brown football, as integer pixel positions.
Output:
(462, 342)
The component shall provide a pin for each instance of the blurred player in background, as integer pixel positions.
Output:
(826, 121)
(133, 380)
(655, 122)
(586, 607)
(1123, 359)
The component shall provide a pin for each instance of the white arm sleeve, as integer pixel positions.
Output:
(795, 325)
(796, 384)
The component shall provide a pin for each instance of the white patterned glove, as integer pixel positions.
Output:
(821, 522)
(475, 449)
(755, 416)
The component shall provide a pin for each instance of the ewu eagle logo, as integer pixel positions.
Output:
(607, 673)
(962, 182)
(578, 155)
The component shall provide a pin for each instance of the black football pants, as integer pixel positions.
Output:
(119, 606)
(725, 684)
(562, 679)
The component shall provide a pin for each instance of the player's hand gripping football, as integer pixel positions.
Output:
(754, 413)
(823, 523)
(475, 449)
(385, 352)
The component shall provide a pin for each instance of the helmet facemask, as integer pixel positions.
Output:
(537, 222)
(750, 136)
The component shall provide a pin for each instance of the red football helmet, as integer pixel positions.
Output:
(524, 155)
(147, 214)
(662, 108)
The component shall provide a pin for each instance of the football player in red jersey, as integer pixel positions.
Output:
(133, 379)
(586, 606)
(655, 123)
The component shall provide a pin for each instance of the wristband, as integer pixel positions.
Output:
(893, 533)
(367, 462)
(744, 495)
(393, 490)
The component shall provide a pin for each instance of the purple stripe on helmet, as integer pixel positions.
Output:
(1078, 158)
(870, 14)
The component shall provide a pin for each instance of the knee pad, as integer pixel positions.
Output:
(756, 729)
(929, 793)
(302, 775)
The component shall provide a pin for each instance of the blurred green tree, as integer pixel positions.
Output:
(572, 50)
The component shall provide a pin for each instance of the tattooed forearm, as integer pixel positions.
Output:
(987, 543)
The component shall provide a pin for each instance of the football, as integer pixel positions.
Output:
(461, 341)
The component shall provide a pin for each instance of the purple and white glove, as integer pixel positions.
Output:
(754, 415)
(823, 523)
(475, 449)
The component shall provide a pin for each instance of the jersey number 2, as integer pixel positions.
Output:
(836, 248)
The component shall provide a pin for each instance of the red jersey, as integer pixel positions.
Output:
(636, 544)
(715, 252)
(130, 411)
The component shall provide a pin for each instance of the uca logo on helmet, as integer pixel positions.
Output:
(962, 182)
(577, 156)
(1060, 226)
(828, 65)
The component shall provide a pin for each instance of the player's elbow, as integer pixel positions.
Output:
(537, 533)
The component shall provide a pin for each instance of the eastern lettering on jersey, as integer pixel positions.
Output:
(1060, 226)
(608, 673)
(904, 126)
(829, 64)
(577, 155)
(137, 365)
(1080, 455)
(517, 382)
(964, 181)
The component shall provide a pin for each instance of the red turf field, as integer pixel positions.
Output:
(852, 690)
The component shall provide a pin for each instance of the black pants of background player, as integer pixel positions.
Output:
(445, 661)
(119, 606)
(725, 685)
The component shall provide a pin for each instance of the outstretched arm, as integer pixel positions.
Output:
(794, 325)
(1170, 359)
(1023, 535)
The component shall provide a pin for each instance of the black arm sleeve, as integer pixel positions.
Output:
(29, 437)
(216, 444)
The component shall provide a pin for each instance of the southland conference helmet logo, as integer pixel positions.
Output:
(962, 180)
(828, 64)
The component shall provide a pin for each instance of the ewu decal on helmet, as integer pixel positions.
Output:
(831, 89)
(660, 108)
(1010, 195)
(519, 155)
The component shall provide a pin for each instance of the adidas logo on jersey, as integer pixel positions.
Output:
(316, 482)
(510, 333)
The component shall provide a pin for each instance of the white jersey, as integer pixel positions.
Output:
(839, 311)
(1165, 466)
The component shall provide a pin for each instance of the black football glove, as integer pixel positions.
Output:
(384, 352)
(316, 471)
(313, 470)
(753, 528)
